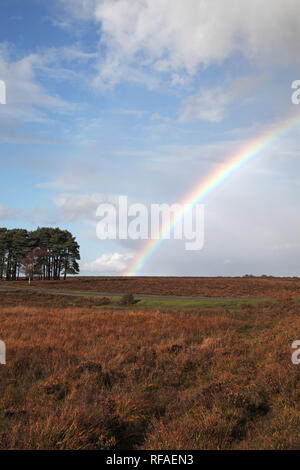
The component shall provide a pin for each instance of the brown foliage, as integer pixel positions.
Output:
(90, 377)
(247, 286)
(127, 299)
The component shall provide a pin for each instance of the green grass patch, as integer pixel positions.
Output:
(186, 304)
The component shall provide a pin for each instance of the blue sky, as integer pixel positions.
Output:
(145, 98)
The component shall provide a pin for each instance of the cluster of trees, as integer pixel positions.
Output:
(47, 253)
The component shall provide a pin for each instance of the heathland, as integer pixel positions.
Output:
(87, 372)
(246, 286)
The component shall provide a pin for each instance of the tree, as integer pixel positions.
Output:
(61, 252)
(32, 263)
(50, 252)
(3, 251)
(15, 247)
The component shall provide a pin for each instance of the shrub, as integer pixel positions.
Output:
(127, 299)
(103, 301)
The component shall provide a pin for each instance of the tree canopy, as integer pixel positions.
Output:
(47, 252)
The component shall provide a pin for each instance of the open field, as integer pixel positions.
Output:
(248, 286)
(83, 373)
(31, 298)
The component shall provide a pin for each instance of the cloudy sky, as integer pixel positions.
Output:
(145, 98)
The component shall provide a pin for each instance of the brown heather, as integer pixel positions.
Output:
(84, 376)
(247, 286)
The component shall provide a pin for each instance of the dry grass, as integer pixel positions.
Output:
(81, 377)
(202, 286)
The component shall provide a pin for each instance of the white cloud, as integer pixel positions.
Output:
(159, 117)
(13, 132)
(70, 207)
(81, 9)
(8, 213)
(108, 263)
(26, 99)
(181, 36)
(211, 105)
(57, 185)
(73, 206)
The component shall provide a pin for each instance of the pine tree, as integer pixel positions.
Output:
(46, 251)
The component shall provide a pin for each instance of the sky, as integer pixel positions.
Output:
(144, 99)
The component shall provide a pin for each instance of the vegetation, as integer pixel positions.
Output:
(223, 287)
(46, 252)
(128, 299)
(80, 375)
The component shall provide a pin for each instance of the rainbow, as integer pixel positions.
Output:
(212, 182)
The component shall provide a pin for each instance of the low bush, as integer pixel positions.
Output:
(127, 299)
